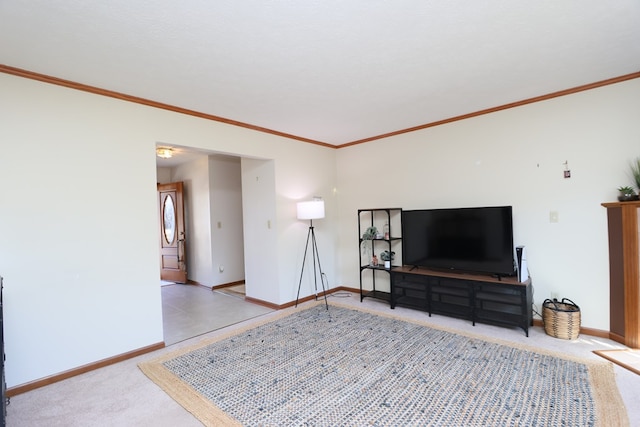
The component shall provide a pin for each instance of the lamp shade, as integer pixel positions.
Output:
(313, 209)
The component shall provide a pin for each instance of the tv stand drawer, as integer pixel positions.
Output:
(409, 291)
(484, 299)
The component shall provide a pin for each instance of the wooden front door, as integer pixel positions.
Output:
(173, 265)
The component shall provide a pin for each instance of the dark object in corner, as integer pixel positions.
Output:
(628, 197)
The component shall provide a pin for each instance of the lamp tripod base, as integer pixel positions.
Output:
(317, 269)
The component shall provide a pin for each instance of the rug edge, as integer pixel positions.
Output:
(601, 373)
(610, 408)
(193, 402)
(613, 412)
(472, 335)
(252, 323)
(187, 397)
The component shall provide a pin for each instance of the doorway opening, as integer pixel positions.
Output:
(173, 267)
(213, 245)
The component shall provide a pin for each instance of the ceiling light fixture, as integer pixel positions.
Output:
(164, 152)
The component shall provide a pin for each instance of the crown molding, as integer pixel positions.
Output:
(112, 94)
(124, 97)
(499, 108)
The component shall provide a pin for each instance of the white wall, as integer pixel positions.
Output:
(513, 157)
(260, 229)
(227, 242)
(78, 245)
(79, 221)
(163, 175)
(306, 176)
(195, 178)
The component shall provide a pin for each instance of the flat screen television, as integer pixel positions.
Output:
(478, 240)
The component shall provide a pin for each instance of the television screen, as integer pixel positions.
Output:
(470, 239)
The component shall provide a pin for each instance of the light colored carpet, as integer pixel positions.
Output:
(353, 367)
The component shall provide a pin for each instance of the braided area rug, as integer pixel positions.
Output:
(346, 367)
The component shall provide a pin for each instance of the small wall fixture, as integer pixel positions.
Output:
(164, 152)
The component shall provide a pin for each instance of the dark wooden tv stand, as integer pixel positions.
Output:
(480, 298)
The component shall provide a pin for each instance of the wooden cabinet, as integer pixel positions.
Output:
(478, 298)
(624, 272)
(3, 384)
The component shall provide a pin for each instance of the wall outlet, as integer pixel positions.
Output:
(555, 295)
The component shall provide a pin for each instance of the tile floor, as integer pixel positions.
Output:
(192, 310)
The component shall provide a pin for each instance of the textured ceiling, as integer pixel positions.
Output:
(330, 71)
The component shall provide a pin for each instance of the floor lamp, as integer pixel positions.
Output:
(312, 210)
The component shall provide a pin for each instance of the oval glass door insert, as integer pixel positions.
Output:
(169, 219)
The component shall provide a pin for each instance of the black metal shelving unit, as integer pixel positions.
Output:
(378, 217)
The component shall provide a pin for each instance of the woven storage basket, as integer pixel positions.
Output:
(561, 318)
